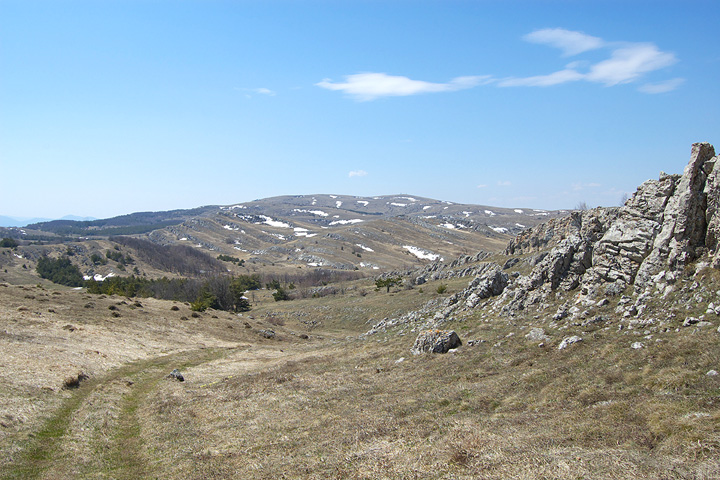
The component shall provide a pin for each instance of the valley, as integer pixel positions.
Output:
(589, 342)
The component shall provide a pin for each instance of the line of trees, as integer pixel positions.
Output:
(180, 259)
(60, 271)
(220, 293)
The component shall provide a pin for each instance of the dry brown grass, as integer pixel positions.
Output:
(336, 406)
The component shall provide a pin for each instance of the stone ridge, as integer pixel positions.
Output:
(667, 224)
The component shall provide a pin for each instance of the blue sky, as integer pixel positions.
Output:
(111, 107)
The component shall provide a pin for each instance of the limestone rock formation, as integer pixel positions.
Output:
(667, 224)
(643, 245)
(435, 341)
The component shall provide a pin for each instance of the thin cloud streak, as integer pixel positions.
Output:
(661, 87)
(557, 78)
(570, 42)
(628, 62)
(371, 86)
(357, 173)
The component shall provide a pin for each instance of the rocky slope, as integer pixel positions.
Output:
(669, 227)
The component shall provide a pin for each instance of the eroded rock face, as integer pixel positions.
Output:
(435, 341)
(666, 224)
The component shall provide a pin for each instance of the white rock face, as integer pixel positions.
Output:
(664, 226)
(567, 341)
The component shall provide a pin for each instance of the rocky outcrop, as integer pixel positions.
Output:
(662, 228)
(435, 341)
(667, 224)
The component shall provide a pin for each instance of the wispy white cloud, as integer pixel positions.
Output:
(370, 86)
(570, 42)
(482, 185)
(264, 91)
(661, 87)
(504, 183)
(627, 62)
(562, 76)
(259, 91)
(357, 173)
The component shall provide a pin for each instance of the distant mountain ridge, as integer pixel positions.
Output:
(7, 221)
(324, 230)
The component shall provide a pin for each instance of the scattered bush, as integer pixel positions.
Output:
(228, 258)
(8, 243)
(60, 271)
(387, 283)
(441, 289)
(97, 259)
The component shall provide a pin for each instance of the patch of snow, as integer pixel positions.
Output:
(364, 202)
(428, 216)
(445, 208)
(274, 223)
(420, 253)
(231, 227)
(369, 265)
(319, 213)
(338, 204)
(398, 204)
(499, 229)
(241, 249)
(333, 196)
(542, 214)
(449, 226)
(517, 210)
(490, 212)
(427, 206)
(303, 232)
(233, 207)
(520, 225)
(199, 245)
(97, 277)
(314, 201)
(367, 249)
(410, 199)
(346, 222)
(183, 239)
(18, 256)
(276, 235)
(536, 210)
(467, 214)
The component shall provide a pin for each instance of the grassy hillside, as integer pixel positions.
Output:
(319, 399)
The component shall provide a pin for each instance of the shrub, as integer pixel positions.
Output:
(280, 294)
(97, 259)
(387, 283)
(60, 271)
(441, 289)
(8, 243)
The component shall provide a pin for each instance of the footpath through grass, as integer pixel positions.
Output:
(123, 457)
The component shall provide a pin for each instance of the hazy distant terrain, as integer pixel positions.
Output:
(290, 338)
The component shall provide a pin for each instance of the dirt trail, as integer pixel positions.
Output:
(98, 433)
